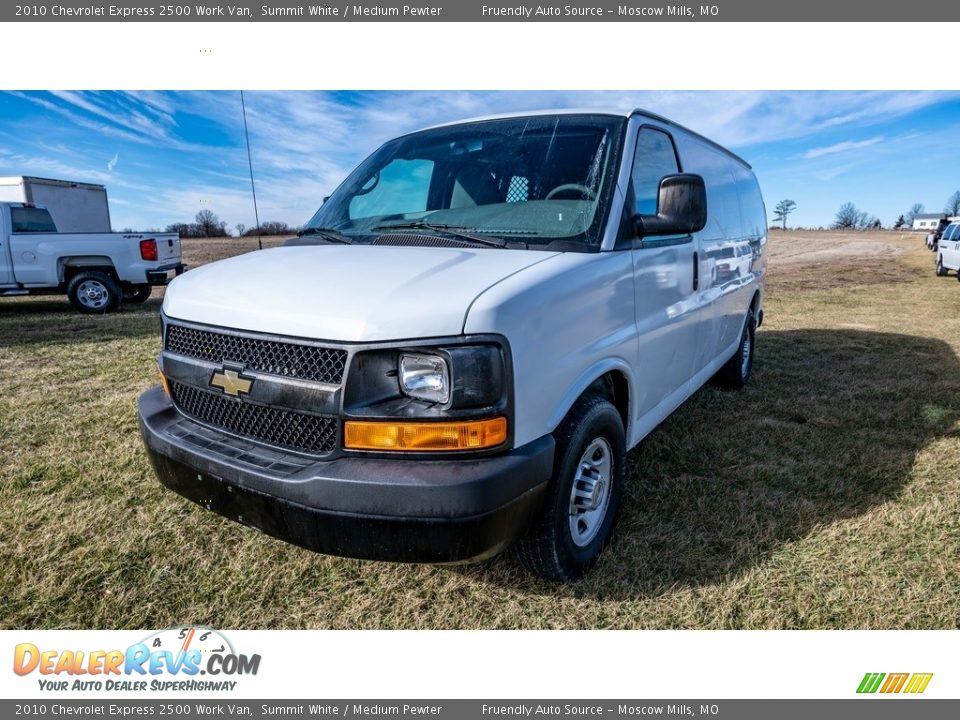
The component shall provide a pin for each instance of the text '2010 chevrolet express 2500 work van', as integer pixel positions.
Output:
(464, 342)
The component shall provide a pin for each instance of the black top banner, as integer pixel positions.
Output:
(486, 11)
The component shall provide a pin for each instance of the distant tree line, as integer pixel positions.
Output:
(206, 224)
(850, 217)
(272, 227)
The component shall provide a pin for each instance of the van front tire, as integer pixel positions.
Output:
(583, 498)
(941, 270)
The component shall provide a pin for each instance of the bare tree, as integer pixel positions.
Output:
(901, 221)
(783, 210)
(210, 224)
(913, 212)
(850, 217)
(240, 227)
(952, 207)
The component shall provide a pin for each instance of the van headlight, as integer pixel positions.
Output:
(427, 381)
(425, 377)
(448, 397)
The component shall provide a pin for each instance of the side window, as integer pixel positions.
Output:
(951, 233)
(401, 187)
(31, 220)
(655, 157)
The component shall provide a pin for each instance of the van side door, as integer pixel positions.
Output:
(665, 278)
(720, 246)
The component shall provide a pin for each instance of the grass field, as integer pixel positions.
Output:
(825, 495)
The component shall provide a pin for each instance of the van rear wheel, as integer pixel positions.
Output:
(584, 494)
(941, 270)
(736, 371)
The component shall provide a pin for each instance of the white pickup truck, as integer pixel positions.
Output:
(948, 250)
(474, 329)
(97, 271)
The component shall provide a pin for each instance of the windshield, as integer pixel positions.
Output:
(539, 180)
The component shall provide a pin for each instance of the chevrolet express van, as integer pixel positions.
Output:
(468, 336)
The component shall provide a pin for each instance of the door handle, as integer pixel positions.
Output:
(696, 272)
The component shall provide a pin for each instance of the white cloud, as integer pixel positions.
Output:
(113, 162)
(841, 147)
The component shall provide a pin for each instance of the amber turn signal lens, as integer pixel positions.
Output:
(425, 437)
(164, 383)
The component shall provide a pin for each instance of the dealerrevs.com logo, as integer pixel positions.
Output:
(893, 683)
(177, 659)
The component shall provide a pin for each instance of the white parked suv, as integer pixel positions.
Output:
(948, 250)
(469, 335)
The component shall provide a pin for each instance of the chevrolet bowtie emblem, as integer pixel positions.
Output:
(231, 382)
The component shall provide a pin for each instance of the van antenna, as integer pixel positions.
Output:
(253, 187)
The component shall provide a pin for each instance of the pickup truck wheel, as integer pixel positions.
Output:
(138, 294)
(736, 371)
(583, 497)
(941, 270)
(94, 292)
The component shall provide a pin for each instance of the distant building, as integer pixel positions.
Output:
(929, 221)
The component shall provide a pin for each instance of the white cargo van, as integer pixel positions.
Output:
(74, 206)
(469, 335)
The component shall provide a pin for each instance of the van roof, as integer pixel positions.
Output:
(599, 111)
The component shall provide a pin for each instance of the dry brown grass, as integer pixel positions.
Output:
(825, 495)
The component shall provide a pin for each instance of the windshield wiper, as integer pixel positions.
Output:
(329, 234)
(456, 232)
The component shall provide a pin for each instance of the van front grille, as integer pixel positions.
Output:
(313, 434)
(287, 359)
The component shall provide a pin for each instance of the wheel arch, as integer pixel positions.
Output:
(611, 378)
(70, 265)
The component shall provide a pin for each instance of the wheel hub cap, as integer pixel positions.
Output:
(745, 354)
(92, 294)
(590, 494)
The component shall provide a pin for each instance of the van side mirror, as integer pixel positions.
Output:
(681, 207)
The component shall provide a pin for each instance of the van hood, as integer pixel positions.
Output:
(348, 293)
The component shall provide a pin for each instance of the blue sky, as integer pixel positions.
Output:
(165, 155)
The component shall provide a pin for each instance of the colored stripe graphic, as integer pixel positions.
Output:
(918, 682)
(870, 682)
(894, 683)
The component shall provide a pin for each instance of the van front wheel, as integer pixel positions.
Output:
(584, 494)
